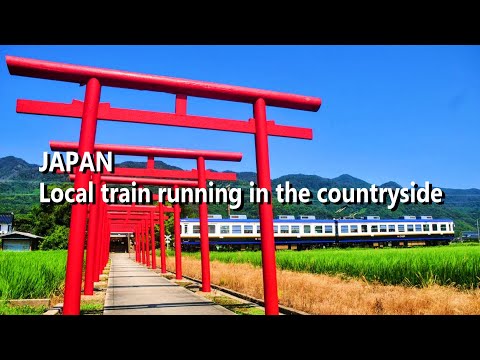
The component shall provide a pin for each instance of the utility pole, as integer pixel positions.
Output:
(478, 232)
(228, 202)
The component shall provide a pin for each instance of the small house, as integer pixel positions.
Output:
(19, 241)
(470, 235)
(6, 223)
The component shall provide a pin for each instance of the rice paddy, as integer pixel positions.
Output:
(457, 266)
(32, 275)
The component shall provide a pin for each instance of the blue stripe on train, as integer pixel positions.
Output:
(286, 242)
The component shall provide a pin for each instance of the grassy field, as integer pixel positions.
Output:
(457, 265)
(31, 275)
(6, 309)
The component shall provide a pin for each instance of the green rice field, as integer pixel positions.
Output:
(6, 309)
(457, 265)
(32, 274)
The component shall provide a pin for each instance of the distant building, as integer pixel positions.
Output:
(469, 235)
(6, 223)
(19, 241)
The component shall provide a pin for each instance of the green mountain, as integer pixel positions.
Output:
(13, 168)
(246, 176)
(315, 182)
(390, 184)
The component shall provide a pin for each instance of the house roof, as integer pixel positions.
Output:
(6, 218)
(19, 233)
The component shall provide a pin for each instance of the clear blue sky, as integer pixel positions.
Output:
(397, 113)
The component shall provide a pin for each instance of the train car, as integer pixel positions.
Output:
(308, 232)
(408, 231)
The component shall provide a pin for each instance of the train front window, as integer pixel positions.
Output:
(434, 227)
(344, 229)
(258, 229)
(275, 229)
(383, 228)
(211, 229)
(318, 229)
(354, 228)
(248, 229)
(236, 229)
(391, 228)
(328, 229)
(401, 228)
(295, 229)
(443, 227)
(410, 227)
(307, 229)
(418, 227)
(364, 228)
(374, 228)
(283, 229)
(224, 229)
(426, 227)
(196, 229)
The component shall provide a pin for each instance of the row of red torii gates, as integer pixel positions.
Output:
(152, 176)
(105, 218)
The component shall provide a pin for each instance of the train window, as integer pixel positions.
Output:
(434, 227)
(418, 227)
(410, 227)
(211, 229)
(364, 228)
(401, 228)
(196, 229)
(283, 229)
(426, 227)
(295, 229)
(354, 228)
(236, 229)
(258, 229)
(307, 229)
(224, 229)
(275, 229)
(344, 229)
(383, 228)
(391, 228)
(248, 229)
(374, 228)
(443, 227)
(318, 229)
(328, 229)
(185, 229)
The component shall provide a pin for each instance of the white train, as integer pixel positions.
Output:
(307, 232)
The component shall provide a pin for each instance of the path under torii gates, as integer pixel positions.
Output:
(135, 290)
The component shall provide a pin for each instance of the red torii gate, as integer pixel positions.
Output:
(111, 179)
(96, 260)
(161, 209)
(151, 152)
(117, 219)
(140, 232)
(119, 224)
(150, 171)
(91, 110)
(134, 214)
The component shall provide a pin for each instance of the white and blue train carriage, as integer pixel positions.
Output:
(308, 232)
